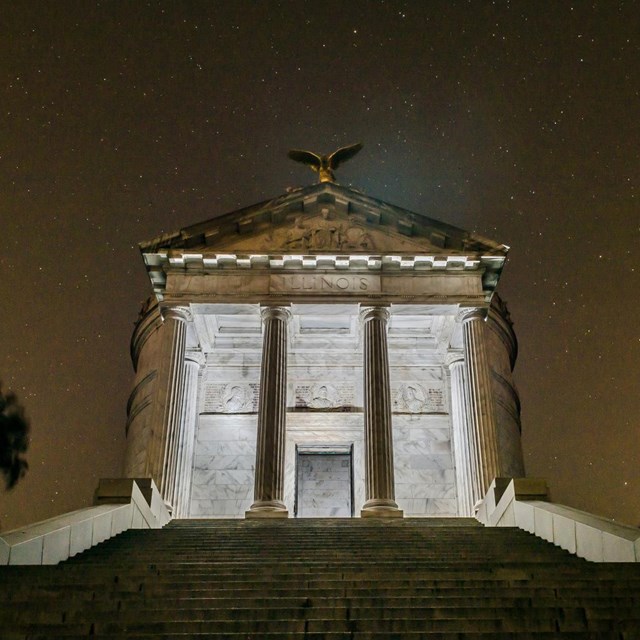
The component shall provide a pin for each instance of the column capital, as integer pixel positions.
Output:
(182, 314)
(454, 358)
(275, 313)
(374, 313)
(194, 357)
(467, 314)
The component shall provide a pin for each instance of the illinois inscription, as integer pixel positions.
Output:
(324, 283)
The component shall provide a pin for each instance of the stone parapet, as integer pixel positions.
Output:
(121, 504)
(523, 503)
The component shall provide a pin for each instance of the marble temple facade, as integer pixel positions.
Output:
(323, 354)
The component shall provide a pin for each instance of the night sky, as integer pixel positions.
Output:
(517, 120)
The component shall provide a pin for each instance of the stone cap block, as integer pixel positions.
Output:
(120, 490)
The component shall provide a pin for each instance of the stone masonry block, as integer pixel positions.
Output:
(589, 542)
(564, 532)
(617, 549)
(28, 552)
(544, 524)
(101, 528)
(80, 537)
(121, 520)
(524, 515)
(55, 546)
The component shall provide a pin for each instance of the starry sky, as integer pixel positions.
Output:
(516, 120)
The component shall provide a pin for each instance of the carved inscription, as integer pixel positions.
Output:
(324, 283)
(235, 397)
(411, 397)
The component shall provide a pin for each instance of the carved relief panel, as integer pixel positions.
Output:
(233, 397)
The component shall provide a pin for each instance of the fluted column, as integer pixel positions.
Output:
(163, 457)
(464, 456)
(272, 410)
(378, 434)
(480, 412)
(186, 441)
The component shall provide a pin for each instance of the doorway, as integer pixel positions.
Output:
(324, 481)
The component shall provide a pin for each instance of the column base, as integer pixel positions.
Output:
(272, 509)
(381, 509)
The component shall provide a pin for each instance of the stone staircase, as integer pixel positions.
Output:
(322, 579)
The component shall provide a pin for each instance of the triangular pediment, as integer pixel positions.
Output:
(324, 218)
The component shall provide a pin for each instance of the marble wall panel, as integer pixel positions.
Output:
(227, 431)
(428, 507)
(219, 508)
(408, 491)
(226, 448)
(424, 469)
(224, 461)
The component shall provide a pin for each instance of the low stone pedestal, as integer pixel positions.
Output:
(267, 509)
(381, 509)
(382, 512)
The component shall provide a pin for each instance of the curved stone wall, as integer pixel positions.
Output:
(145, 347)
(502, 349)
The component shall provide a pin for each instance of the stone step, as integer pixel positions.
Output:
(340, 611)
(358, 635)
(129, 601)
(322, 580)
(249, 590)
(423, 585)
(303, 574)
(353, 635)
(531, 621)
(73, 609)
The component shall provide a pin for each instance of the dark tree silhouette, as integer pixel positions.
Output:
(14, 439)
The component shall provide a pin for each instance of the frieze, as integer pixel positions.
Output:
(234, 397)
(323, 395)
(412, 397)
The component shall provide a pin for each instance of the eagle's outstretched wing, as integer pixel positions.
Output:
(306, 157)
(343, 154)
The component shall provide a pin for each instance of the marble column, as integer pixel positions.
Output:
(272, 411)
(378, 434)
(186, 440)
(163, 457)
(464, 456)
(479, 396)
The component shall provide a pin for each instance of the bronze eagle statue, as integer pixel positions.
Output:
(324, 165)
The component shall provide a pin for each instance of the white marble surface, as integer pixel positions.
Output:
(324, 485)
(224, 465)
(325, 401)
(224, 460)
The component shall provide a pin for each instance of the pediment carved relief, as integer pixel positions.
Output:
(327, 231)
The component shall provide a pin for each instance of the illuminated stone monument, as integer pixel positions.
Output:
(323, 353)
